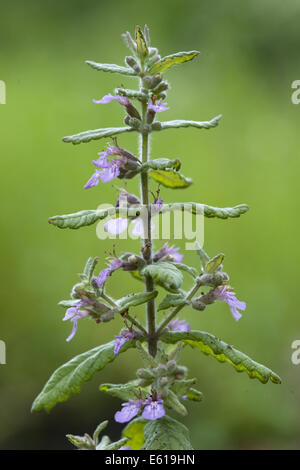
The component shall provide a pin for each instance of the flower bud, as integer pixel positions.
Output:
(133, 64)
(161, 87)
(144, 374)
(156, 126)
(197, 304)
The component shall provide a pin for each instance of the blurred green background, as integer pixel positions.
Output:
(249, 58)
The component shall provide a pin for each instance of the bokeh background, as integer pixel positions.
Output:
(249, 58)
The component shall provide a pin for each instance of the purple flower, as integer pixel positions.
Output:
(74, 314)
(116, 226)
(108, 98)
(129, 410)
(154, 409)
(125, 448)
(159, 107)
(125, 335)
(167, 250)
(179, 325)
(226, 294)
(113, 265)
(109, 169)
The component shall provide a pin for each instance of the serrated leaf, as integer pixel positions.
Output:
(134, 431)
(172, 300)
(126, 392)
(214, 263)
(223, 352)
(207, 211)
(198, 124)
(112, 68)
(166, 434)
(95, 134)
(181, 387)
(164, 274)
(133, 300)
(142, 48)
(69, 377)
(174, 59)
(194, 395)
(78, 219)
(162, 164)
(175, 404)
(171, 179)
(188, 269)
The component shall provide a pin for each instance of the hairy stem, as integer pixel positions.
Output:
(147, 248)
(177, 309)
(126, 315)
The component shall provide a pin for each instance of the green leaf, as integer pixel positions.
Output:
(199, 124)
(98, 430)
(162, 164)
(112, 68)
(69, 377)
(134, 431)
(214, 263)
(68, 303)
(171, 179)
(90, 267)
(166, 434)
(175, 404)
(78, 219)
(175, 59)
(223, 352)
(96, 134)
(208, 211)
(126, 392)
(181, 387)
(115, 445)
(188, 269)
(142, 48)
(172, 300)
(194, 395)
(133, 300)
(164, 274)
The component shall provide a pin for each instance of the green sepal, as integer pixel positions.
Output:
(69, 377)
(171, 401)
(188, 269)
(174, 59)
(194, 395)
(98, 430)
(166, 434)
(171, 179)
(165, 275)
(115, 445)
(68, 303)
(181, 387)
(90, 267)
(223, 352)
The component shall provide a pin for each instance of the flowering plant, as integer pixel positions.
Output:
(162, 384)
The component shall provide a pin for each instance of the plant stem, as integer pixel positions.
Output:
(147, 248)
(177, 309)
(125, 314)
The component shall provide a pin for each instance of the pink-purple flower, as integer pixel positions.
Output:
(75, 313)
(125, 336)
(123, 100)
(113, 265)
(179, 325)
(152, 409)
(109, 169)
(226, 294)
(157, 108)
(169, 251)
